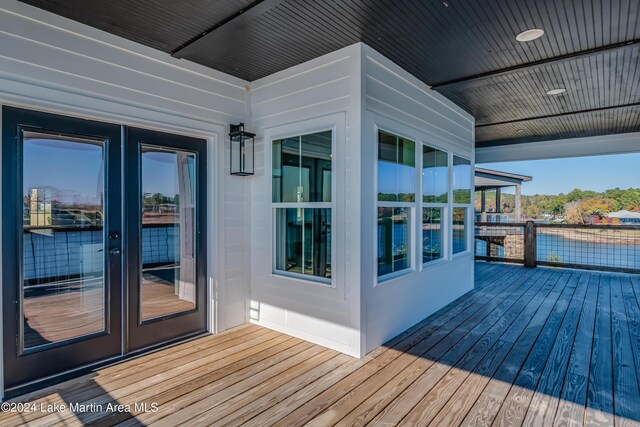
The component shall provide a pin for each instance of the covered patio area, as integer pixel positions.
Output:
(526, 347)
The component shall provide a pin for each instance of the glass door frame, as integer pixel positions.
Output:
(22, 367)
(141, 334)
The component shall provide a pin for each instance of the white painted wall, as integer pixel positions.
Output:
(397, 102)
(54, 64)
(561, 148)
(354, 90)
(321, 94)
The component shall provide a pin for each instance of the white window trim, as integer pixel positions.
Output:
(298, 277)
(411, 206)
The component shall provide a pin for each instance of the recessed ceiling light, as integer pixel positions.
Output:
(557, 91)
(529, 35)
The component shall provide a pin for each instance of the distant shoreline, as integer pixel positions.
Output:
(595, 235)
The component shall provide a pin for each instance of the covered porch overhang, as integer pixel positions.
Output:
(487, 180)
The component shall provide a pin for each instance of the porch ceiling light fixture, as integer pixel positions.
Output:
(557, 91)
(242, 151)
(530, 35)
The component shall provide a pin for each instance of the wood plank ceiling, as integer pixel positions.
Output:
(466, 49)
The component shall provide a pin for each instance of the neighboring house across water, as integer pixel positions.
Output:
(625, 217)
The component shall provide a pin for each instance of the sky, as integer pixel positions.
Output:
(557, 176)
(76, 170)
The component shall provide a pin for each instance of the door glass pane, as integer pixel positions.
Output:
(63, 260)
(168, 262)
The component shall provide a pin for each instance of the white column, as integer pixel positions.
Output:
(518, 202)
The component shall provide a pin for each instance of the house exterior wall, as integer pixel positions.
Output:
(322, 94)
(53, 64)
(397, 102)
(358, 90)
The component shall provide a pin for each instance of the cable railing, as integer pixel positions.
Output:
(65, 253)
(499, 242)
(594, 247)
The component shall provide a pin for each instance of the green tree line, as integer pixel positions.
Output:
(572, 205)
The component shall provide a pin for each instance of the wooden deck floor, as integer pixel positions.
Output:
(531, 347)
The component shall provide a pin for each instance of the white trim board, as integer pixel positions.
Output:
(561, 148)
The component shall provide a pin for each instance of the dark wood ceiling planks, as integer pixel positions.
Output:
(465, 48)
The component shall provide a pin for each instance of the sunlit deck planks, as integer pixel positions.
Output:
(526, 347)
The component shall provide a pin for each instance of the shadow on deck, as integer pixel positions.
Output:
(526, 347)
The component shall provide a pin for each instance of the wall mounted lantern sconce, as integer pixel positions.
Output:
(242, 153)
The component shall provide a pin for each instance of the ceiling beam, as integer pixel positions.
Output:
(255, 9)
(568, 113)
(532, 65)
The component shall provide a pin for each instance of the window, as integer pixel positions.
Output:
(435, 195)
(462, 175)
(461, 180)
(435, 175)
(396, 201)
(396, 169)
(459, 230)
(302, 201)
(432, 241)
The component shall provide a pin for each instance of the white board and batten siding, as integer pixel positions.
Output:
(396, 101)
(54, 64)
(322, 94)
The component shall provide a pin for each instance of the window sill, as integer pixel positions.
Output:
(461, 254)
(303, 279)
(434, 263)
(392, 277)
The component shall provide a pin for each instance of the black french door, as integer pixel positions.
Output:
(61, 226)
(166, 228)
(83, 284)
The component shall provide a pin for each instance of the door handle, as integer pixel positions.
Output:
(114, 251)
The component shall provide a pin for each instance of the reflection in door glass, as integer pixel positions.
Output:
(168, 232)
(62, 238)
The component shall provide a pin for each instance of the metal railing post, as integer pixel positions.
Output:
(530, 244)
